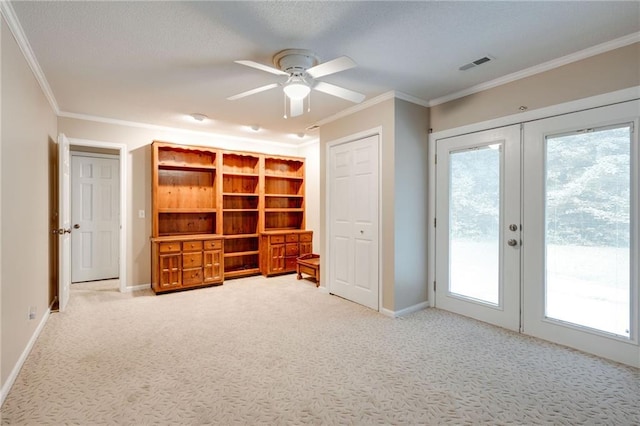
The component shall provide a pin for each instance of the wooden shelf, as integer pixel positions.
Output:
(241, 253)
(283, 177)
(240, 210)
(237, 273)
(187, 210)
(232, 236)
(176, 166)
(284, 195)
(240, 194)
(283, 210)
(251, 175)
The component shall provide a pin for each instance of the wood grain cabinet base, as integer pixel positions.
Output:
(279, 250)
(186, 262)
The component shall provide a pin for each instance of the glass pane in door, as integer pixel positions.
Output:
(474, 223)
(587, 237)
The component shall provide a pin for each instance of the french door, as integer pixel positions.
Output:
(580, 275)
(478, 226)
(544, 238)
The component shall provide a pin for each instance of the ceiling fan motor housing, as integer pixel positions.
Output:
(295, 61)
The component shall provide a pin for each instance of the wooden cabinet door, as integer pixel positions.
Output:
(212, 266)
(306, 248)
(170, 271)
(276, 258)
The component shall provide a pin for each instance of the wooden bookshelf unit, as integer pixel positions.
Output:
(241, 203)
(241, 211)
(185, 245)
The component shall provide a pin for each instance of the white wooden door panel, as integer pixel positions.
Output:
(95, 214)
(478, 226)
(64, 224)
(353, 221)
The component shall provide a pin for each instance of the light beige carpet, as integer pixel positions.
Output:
(278, 351)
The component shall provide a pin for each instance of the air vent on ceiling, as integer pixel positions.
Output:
(477, 62)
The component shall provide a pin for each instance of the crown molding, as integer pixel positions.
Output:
(392, 94)
(405, 97)
(18, 33)
(537, 69)
(147, 126)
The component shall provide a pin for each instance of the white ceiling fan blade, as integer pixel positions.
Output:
(330, 67)
(341, 92)
(297, 107)
(252, 91)
(262, 67)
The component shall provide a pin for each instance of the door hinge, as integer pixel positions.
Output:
(434, 285)
(434, 222)
(436, 158)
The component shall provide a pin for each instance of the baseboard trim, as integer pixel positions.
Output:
(138, 287)
(406, 311)
(27, 350)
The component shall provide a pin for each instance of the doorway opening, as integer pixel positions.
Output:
(98, 212)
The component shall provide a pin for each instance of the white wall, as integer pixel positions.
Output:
(311, 152)
(411, 205)
(28, 125)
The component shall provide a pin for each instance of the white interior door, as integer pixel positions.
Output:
(64, 222)
(581, 225)
(95, 216)
(353, 221)
(478, 226)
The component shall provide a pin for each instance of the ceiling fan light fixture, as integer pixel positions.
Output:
(296, 90)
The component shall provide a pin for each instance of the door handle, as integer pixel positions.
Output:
(512, 242)
(76, 226)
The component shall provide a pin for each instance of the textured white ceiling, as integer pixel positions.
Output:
(152, 62)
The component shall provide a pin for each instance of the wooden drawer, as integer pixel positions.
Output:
(191, 260)
(169, 247)
(276, 239)
(213, 245)
(192, 245)
(191, 276)
(292, 238)
(290, 263)
(291, 250)
(306, 237)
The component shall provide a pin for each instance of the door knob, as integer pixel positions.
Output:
(513, 227)
(512, 242)
(76, 226)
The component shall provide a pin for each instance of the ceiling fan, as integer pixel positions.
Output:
(302, 68)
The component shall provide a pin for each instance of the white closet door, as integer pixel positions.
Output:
(353, 221)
